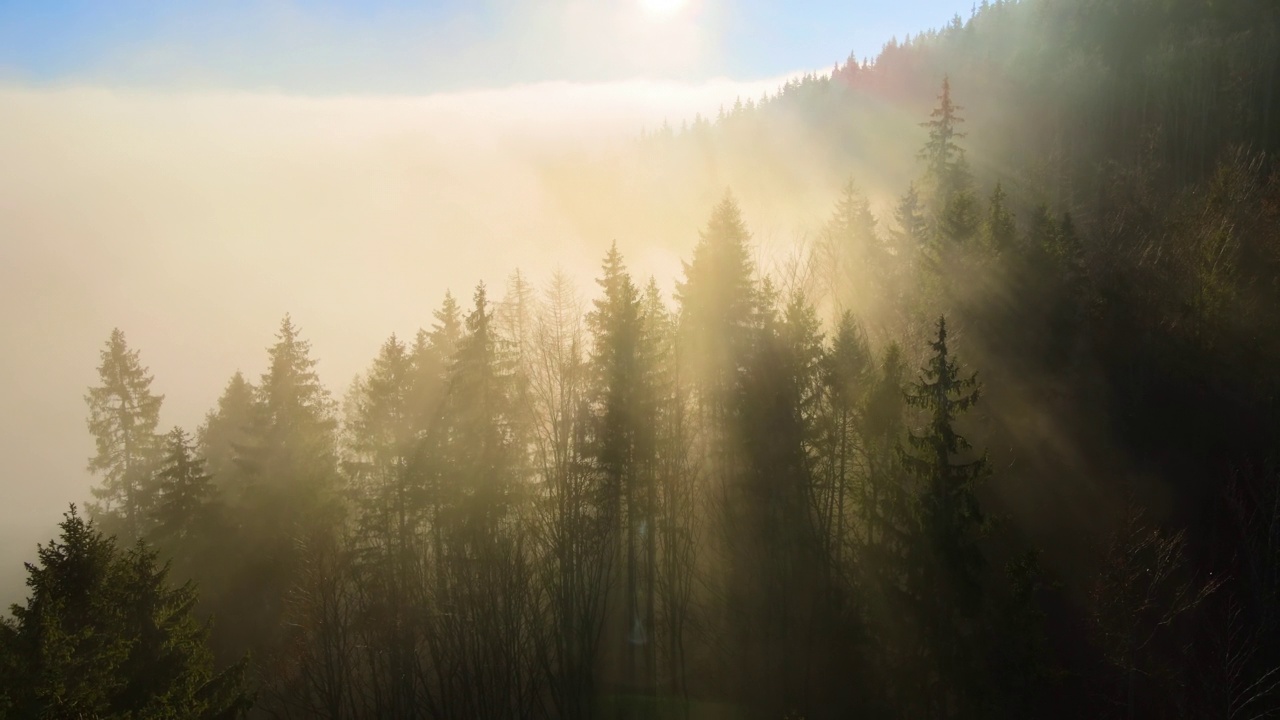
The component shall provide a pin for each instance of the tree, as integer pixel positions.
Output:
(673, 539)
(104, 635)
(389, 497)
(913, 228)
(841, 450)
(291, 455)
(858, 263)
(123, 415)
(184, 513)
(948, 560)
(290, 474)
(479, 415)
(718, 305)
(1000, 231)
(224, 434)
(945, 167)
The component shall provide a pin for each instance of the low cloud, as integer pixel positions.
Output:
(194, 221)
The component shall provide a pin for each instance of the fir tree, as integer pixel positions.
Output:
(123, 415)
(185, 505)
(945, 167)
(224, 434)
(948, 562)
(718, 305)
(858, 261)
(103, 634)
(291, 454)
(1000, 232)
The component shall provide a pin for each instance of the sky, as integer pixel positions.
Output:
(190, 172)
(397, 46)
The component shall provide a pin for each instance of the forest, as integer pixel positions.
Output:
(1007, 445)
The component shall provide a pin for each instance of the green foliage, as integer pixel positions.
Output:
(103, 635)
(186, 512)
(951, 516)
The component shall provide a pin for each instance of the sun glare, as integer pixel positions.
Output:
(662, 8)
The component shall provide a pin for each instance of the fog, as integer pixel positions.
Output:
(194, 221)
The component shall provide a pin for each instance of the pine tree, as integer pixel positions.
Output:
(718, 304)
(913, 228)
(1000, 232)
(617, 335)
(448, 328)
(615, 327)
(945, 167)
(380, 425)
(481, 457)
(123, 415)
(382, 440)
(858, 262)
(675, 502)
(846, 375)
(947, 560)
(291, 455)
(103, 634)
(290, 475)
(185, 507)
(954, 213)
(224, 434)
(774, 566)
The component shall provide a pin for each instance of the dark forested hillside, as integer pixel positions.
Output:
(1000, 439)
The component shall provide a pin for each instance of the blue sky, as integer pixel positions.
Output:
(397, 46)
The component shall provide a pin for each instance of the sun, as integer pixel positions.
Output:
(662, 8)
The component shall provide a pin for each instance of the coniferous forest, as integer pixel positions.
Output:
(1007, 446)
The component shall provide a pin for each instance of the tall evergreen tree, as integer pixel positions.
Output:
(860, 272)
(945, 167)
(481, 456)
(913, 228)
(290, 493)
(718, 304)
(292, 453)
(616, 326)
(224, 434)
(382, 439)
(1000, 231)
(185, 510)
(123, 416)
(948, 559)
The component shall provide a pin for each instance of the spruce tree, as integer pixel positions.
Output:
(860, 273)
(945, 168)
(946, 558)
(123, 416)
(290, 475)
(291, 456)
(184, 512)
(389, 502)
(1000, 231)
(480, 454)
(617, 336)
(103, 634)
(224, 434)
(913, 228)
(718, 305)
